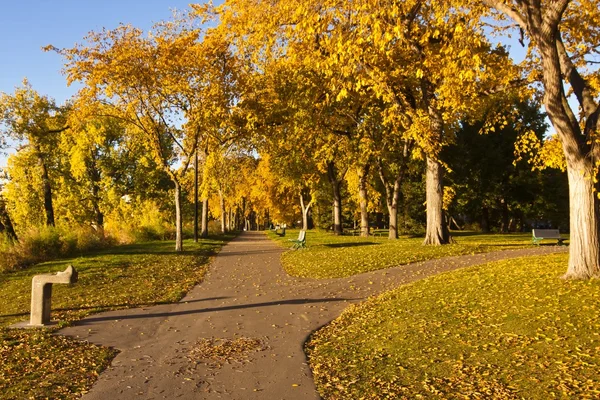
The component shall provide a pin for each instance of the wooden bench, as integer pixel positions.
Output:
(541, 234)
(300, 242)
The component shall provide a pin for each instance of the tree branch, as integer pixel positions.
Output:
(504, 8)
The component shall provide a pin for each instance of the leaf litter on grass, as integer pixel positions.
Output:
(116, 278)
(510, 329)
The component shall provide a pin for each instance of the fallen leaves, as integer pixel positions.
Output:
(216, 352)
(505, 330)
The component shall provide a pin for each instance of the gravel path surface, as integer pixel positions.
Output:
(240, 334)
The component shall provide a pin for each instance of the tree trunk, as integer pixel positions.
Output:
(222, 204)
(336, 185)
(363, 172)
(47, 187)
(436, 233)
(505, 219)
(204, 231)
(392, 197)
(584, 242)
(99, 215)
(305, 209)
(7, 222)
(178, 218)
(95, 176)
(196, 196)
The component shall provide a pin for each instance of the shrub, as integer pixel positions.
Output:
(47, 243)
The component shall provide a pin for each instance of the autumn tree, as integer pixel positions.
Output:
(560, 48)
(168, 85)
(427, 61)
(35, 121)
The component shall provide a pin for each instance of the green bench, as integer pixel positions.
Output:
(541, 234)
(300, 242)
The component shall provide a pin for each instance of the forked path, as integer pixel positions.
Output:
(246, 294)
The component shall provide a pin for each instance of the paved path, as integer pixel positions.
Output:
(245, 294)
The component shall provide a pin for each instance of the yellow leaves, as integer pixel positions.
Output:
(343, 93)
(540, 154)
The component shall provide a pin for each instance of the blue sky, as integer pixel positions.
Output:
(27, 25)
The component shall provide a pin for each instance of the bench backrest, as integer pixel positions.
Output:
(546, 233)
(301, 236)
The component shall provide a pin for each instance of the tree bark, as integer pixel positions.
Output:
(7, 222)
(222, 205)
(584, 243)
(436, 233)
(95, 176)
(336, 186)
(504, 228)
(204, 231)
(47, 187)
(196, 196)
(392, 198)
(178, 218)
(305, 209)
(363, 172)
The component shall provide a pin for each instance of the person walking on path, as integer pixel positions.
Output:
(239, 334)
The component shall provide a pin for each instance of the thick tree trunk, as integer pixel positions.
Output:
(178, 218)
(584, 242)
(204, 231)
(222, 205)
(436, 233)
(47, 187)
(584, 248)
(336, 186)
(363, 172)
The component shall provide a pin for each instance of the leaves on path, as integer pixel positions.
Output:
(216, 352)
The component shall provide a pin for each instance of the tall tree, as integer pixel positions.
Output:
(36, 121)
(560, 49)
(168, 85)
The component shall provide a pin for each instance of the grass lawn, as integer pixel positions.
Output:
(35, 364)
(511, 329)
(330, 256)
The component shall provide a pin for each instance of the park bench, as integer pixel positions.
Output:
(541, 234)
(300, 242)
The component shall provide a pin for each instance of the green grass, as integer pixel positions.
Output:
(504, 330)
(330, 256)
(36, 364)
